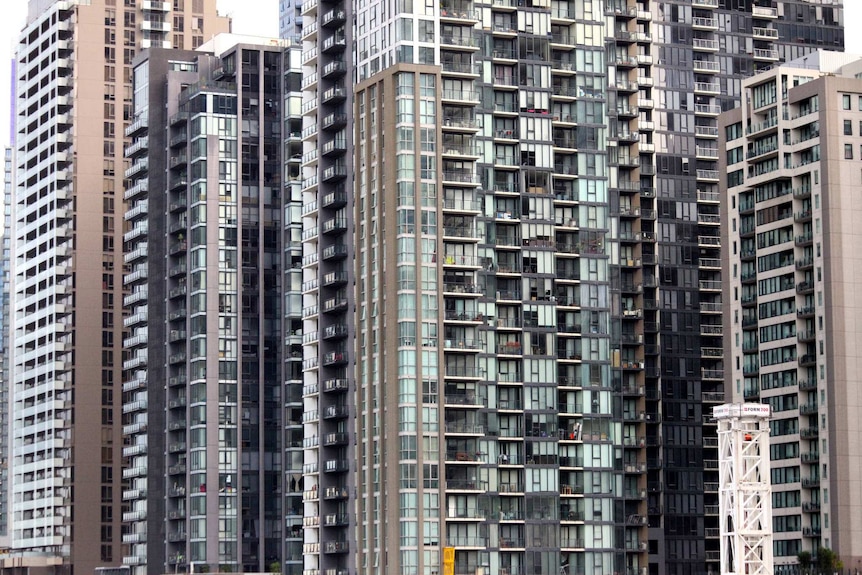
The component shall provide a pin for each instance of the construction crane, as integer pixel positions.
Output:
(745, 495)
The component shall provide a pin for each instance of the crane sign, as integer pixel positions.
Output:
(745, 494)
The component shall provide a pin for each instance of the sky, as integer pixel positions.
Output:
(257, 18)
(252, 17)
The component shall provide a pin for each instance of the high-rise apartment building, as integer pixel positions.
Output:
(205, 388)
(5, 372)
(790, 187)
(474, 417)
(6, 323)
(74, 100)
(527, 201)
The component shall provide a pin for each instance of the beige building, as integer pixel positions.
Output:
(74, 102)
(790, 196)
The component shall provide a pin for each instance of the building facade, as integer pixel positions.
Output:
(701, 52)
(608, 109)
(206, 312)
(5, 330)
(789, 197)
(73, 101)
(482, 389)
(289, 19)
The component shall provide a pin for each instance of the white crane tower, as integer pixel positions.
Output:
(745, 495)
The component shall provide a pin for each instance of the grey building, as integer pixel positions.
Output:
(204, 388)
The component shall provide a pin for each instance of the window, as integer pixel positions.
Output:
(845, 101)
(848, 151)
(848, 127)
(733, 131)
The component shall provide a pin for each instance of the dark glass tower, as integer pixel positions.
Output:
(206, 391)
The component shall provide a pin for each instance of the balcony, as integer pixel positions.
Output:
(712, 374)
(811, 482)
(334, 252)
(460, 122)
(770, 55)
(464, 372)
(459, 260)
(710, 88)
(463, 457)
(701, 23)
(334, 225)
(461, 150)
(333, 95)
(811, 457)
(335, 358)
(456, 67)
(708, 175)
(336, 466)
(707, 109)
(334, 147)
(335, 304)
(706, 66)
(139, 124)
(461, 96)
(336, 546)
(458, 12)
(460, 177)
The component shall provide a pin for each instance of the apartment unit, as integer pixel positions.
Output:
(74, 99)
(553, 165)
(204, 395)
(790, 187)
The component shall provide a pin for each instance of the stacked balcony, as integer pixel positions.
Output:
(631, 159)
(321, 358)
(463, 391)
(135, 397)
